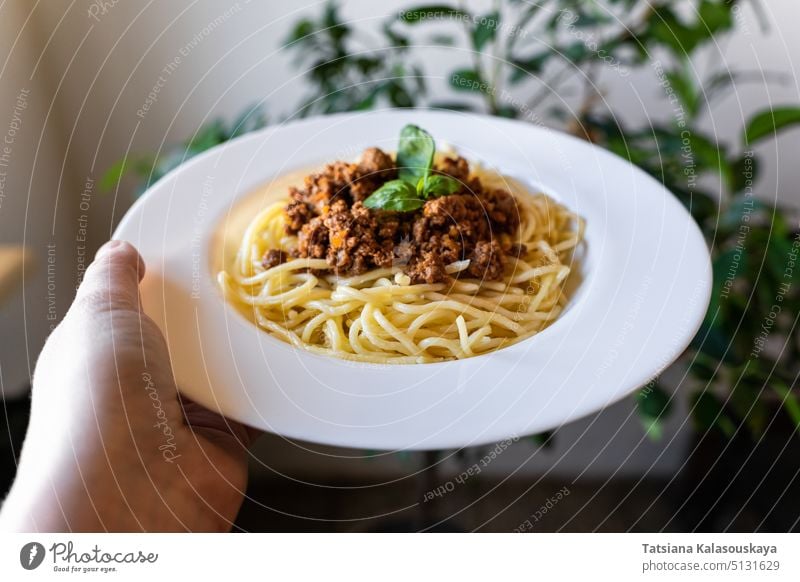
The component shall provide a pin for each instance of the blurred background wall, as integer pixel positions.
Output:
(108, 78)
(37, 191)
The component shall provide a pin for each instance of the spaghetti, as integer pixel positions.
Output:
(382, 317)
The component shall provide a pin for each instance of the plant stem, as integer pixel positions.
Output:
(625, 34)
(489, 96)
(520, 25)
(494, 81)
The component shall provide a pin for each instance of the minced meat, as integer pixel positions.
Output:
(330, 222)
(273, 258)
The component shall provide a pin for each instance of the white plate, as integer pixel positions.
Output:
(645, 289)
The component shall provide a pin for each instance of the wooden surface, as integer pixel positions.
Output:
(12, 259)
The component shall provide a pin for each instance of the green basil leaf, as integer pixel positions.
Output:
(440, 185)
(421, 186)
(397, 195)
(414, 154)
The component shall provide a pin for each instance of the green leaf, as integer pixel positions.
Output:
(452, 106)
(369, 100)
(431, 12)
(332, 23)
(398, 95)
(732, 217)
(527, 68)
(709, 413)
(485, 30)
(779, 251)
(715, 16)
(683, 38)
(576, 52)
(140, 166)
(770, 122)
(744, 173)
(114, 175)
(398, 40)
(667, 29)
(683, 84)
(250, 119)
(712, 341)
(414, 153)
(709, 155)
(703, 367)
(700, 205)
(171, 160)
(747, 403)
(397, 195)
(508, 111)
(468, 80)
(653, 401)
(653, 428)
(543, 439)
(207, 137)
(791, 403)
(726, 268)
(653, 404)
(440, 185)
(302, 29)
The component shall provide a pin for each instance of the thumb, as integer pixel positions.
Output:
(112, 280)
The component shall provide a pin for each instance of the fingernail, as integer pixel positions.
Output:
(110, 245)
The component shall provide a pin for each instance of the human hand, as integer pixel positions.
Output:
(110, 446)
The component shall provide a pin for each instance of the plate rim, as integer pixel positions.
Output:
(644, 376)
